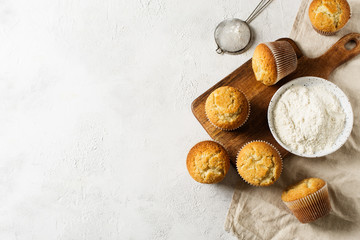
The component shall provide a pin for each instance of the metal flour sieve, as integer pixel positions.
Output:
(234, 35)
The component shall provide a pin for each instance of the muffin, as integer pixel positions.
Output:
(273, 61)
(329, 16)
(259, 163)
(227, 108)
(208, 162)
(308, 199)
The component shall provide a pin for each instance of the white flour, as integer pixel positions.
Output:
(233, 36)
(308, 119)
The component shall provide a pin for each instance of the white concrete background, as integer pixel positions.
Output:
(95, 119)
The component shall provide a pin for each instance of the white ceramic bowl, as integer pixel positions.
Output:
(344, 102)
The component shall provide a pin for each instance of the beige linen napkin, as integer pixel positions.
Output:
(258, 213)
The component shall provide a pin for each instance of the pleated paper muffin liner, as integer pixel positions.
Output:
(285, 58)
(232, 129)
(237, 155)
(311, 207)
(325, 33)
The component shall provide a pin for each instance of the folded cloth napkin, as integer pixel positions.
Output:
(258, 212)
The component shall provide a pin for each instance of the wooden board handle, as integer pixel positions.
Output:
(340, 52)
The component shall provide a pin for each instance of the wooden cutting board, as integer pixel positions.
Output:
(259, 95)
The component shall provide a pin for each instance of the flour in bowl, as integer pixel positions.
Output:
(308, 119)
(233, 35)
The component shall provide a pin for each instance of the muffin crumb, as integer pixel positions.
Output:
(302, 189)
(227, 108)
(329, 16)
(259, 164)
(208, 162)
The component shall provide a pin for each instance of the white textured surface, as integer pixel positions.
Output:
(95, 119)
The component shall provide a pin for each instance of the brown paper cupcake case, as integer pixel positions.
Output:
(247, 117)
(285, 58)
(325, 33)
(311, 207)
(282, 164)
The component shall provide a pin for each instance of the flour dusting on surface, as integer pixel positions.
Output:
(308, 119)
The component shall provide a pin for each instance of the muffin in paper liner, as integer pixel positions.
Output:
(285, 58)
(311, 207)
(208, 162)
(278, 162)
(344, 8)
(245, 120)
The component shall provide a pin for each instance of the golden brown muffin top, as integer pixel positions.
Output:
(302, 189)
(263, 65)
(329, 15)
(227, 107)
(208, 162)
(259, 164)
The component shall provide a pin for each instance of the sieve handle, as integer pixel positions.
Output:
(219, 50)
(259, 8)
